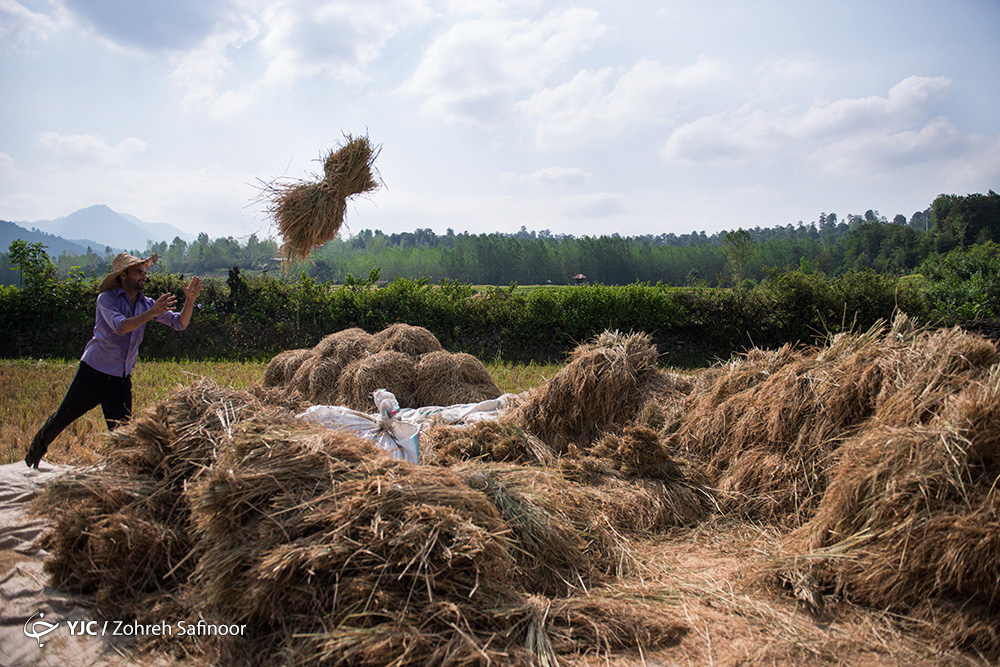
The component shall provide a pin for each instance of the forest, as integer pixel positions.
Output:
(829, 244)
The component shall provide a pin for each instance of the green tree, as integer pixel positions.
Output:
(739, 249)
(33, 263)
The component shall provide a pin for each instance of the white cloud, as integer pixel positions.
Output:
(551, 175)
(475, 69)
(851, 135)
(86, 149)
(876, 153)
(21, 27)
(262, 50)
(603, 103)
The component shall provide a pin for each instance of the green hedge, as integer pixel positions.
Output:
(255, 317)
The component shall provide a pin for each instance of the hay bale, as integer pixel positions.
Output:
(601, 389)
(311, 213)
(299, 380)
(405, 338)
(282, 367)
(394, 371)
(443, 378)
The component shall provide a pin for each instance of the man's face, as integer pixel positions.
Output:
(135, 278)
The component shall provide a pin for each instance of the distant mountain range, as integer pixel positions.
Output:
(95, 227)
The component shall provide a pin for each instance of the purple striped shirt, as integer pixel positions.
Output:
(116, 353)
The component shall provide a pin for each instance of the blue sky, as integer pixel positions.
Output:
(592, 117)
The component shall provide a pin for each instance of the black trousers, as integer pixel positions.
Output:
(89, 389)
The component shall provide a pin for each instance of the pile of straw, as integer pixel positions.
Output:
(310, 213)
(910, 521)
(218, 504)
(768, 425)
(602, 387)
(346, 366)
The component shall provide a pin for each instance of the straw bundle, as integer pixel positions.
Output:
(405, 338)
(308, 213)
(603, 387)
(216, 504)
(282, 367)
(566, 625)
(394, 371)
(443, 378)
(346, 366)
(346, 345)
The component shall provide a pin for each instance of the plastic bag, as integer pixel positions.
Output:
(401, 439)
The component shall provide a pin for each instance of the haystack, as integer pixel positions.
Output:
(345, 345)
(444, 378)
(217, 505)
(310, 213)
(601, 388)
(346, 366)
(394, 371)
(282, 367)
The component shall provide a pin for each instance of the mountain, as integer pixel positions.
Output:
(161, 231)
(108, 228)
(54, 245)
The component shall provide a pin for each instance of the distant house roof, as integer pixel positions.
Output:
(579, 276)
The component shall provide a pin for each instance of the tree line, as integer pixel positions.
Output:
(830, 244)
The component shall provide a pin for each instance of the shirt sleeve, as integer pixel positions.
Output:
(171, 318)
(107, 310)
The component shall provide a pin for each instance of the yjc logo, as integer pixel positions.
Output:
(34, 632)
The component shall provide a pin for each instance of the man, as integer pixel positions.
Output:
(104, 374)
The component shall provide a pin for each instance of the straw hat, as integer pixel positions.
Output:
(122, 263)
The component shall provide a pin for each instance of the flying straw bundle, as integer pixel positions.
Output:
(309, 213)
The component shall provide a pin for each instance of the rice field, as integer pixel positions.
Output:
(34, 389)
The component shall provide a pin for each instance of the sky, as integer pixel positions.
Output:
(583, 118)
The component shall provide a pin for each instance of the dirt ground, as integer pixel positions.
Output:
(716, 577)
